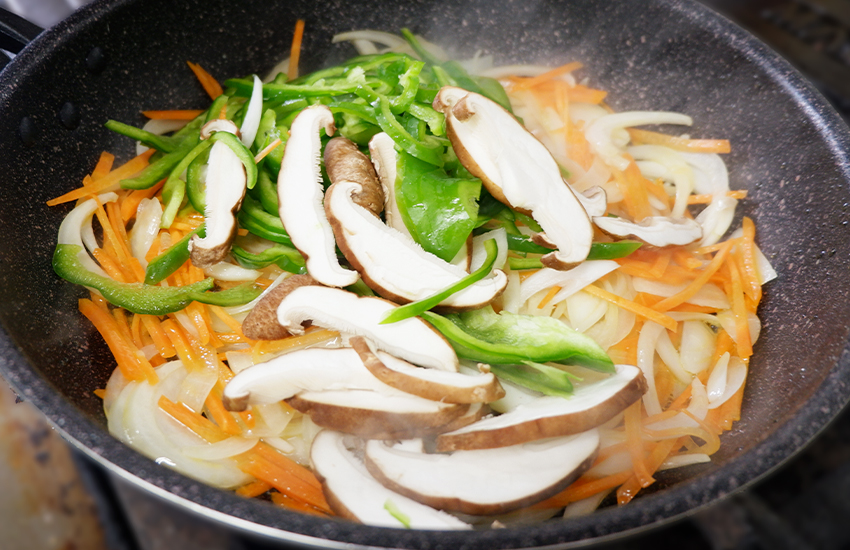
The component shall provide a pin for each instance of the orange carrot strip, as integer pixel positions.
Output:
(175, 114)
(195, 312)
(686, 259)
(221, 416)
(630, 488)
(281, 479)
(635, 443)
(253, 489)
(121, 319)
(202, 426)
(295, 50)
(123, 172)
(111, 266)
(551, 294)
(181, 345)
(100, 392)
(131, 203)
(679, 143)
(748, 264)
(635, 197)
(705, 199)
(130, 360)
(273, 455)
(643, 311)
(266, 150)
(584, 488)
(292, 343)
(103, 166)
(688, 292)
(297, 506)
(739, 308)
(160, 340)
(583, 94)
(525, 83)
(210, 84)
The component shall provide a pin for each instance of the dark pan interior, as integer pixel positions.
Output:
(114, 59)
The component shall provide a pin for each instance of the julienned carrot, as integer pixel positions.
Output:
(103, 166)
(266, 150)
(110, 265)
(679, 143)
(210, 84)
(297, 506)
(525, 83)
(130, 359)
(292, 343)
(664, 320)
(184, 351)
(705, 199)
(278, 477)
(630, 488)
(582, 94)
(584, 488)
(176, 114)
(295, 50)
(253, 489)
(739, 308)
(632, 425)
(160, 340)
(122, 172)
(688, 292)
(747, 260)
(635, 197)
(221, 416)
(202, 426)
(551, 294)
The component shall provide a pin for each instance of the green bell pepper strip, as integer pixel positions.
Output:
(235, 296)
(423, 54)
(409, 83)
(286, 258)
(173, 193)
(598, 251)
(417, 308)
(518, 264)
(160, 143)
(241, 152)
(135, 297)
(365, 112)
(390, 124)
(161, 168)
(195, 186)
(495, 91)
(274, 91)
(264, 130)
(435, 120)
(170, 261)
(255, 219)
(266, 193)
(506, 338)
(215, 108)
(439, 211)
(538, 377)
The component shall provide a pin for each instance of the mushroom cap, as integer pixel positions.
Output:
(517, 170)
(483, 482)
(353, 494)
(589, 406)
(659, 231)
(225, 188)
(395, 266)
(345, 162)
(299, 189)
(261, 323)
(437, 385)
(412, 339)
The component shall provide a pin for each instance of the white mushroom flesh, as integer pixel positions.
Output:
(394, 265)
(517, 168)
(384, 158)
(487, 481)
(354, 494)
(412, 339)
(300, 194)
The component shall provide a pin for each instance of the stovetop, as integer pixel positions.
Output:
(805, 505)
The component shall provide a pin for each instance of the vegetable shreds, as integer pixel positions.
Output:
(679, 143)
(103, 167)
(113, 178)
(295, 50)
(209, 83)
(648, 313)
(548, 75)
(705, 199)
(176, 114)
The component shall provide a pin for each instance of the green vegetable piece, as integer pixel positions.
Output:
(612, 251)
(242, 152)
(265, 130)
(173, 193)
(159, 169)
(215, 108)
(390, 124)
(274, 91)
(170, 261)
(286, 258)
(518, 264)
(235, 296)
(495, 91)
(160, 143)
(416, 308)
(135, 297)
(396, 512)
(535, 376)
(266, 193)
(255, 219)
(435, 120)
(195, 185)
(439, 211)
(409, 82)
(423, 54)
(506, 338)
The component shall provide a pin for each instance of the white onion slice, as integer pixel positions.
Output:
(647, 341)
(670, 355)
(239, 360)
(766, 272)
(70, 230)
(584, 310)
(225, 271)
(226, 448)
(251, 123)
(601, 133)
(146, 228)
(479, 254)
(585, 506)
(196, 387)
(709, 295)
(679, 461)
(736, 374)
(727, 321)
(677, 170)
(697, 346)
(570, 281)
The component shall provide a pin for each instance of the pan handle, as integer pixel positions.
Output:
(16, 32)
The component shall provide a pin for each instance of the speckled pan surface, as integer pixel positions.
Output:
(114, 59)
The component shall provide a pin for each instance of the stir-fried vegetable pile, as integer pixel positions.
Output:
(405, 247)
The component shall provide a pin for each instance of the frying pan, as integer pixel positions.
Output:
(113, 59)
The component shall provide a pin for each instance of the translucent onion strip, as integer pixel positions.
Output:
(146, 228)
(732, 379)
(226, 448)
(647, 342)
(570, 281)
(709, 295)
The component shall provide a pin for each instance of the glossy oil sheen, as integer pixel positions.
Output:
(113, 59)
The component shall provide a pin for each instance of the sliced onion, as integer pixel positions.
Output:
(239, 360)
(225, 448)
(716, 218)
(241, 311)
(727, 321)
(710, 295)
(570, 281)
(584, 310)
(70, 230)
(225, 271)
(275, 417)
(511, 296)
(766, 272)
(601, 133)
(717, 379)
(280, 444)
(668, 353)
(585, 506)
(597, 175)
(146, 228)
(678, 461)
(736, 374)
(479, 254)
(678, 171)
(647, 341)
(381, 37)
(697, 346)
(196, 387)
(251, 123)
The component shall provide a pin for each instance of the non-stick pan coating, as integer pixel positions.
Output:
(112, 60)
